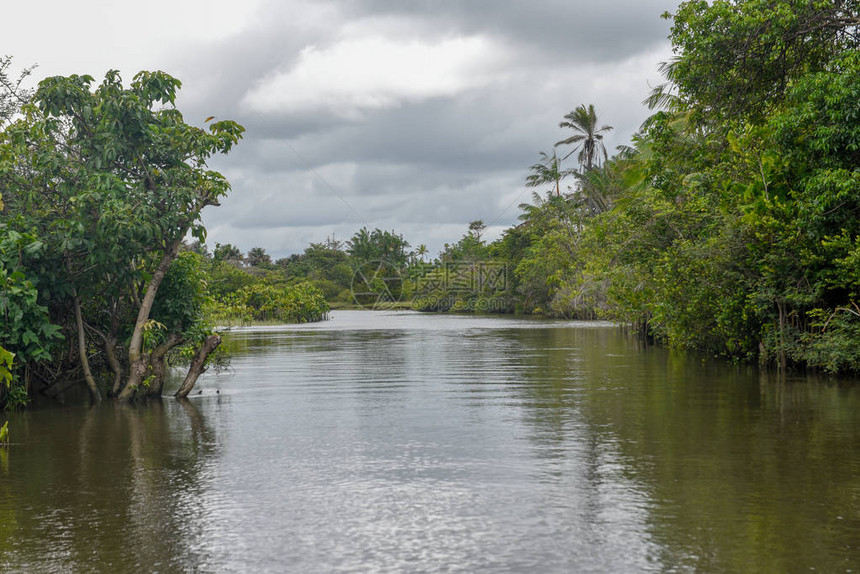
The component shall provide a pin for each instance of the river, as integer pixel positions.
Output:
(401, 442)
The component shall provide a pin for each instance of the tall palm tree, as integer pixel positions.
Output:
(587, 136)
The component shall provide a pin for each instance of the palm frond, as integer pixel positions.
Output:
(587, 136)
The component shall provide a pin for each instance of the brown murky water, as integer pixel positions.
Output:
(398, 442)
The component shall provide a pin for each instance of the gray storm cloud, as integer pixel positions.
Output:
(418, 116)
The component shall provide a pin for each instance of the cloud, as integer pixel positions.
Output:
(421, 115)
(372, 73)
(93, 36)
(549, 30)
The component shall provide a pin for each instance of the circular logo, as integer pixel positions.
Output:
(376, 284)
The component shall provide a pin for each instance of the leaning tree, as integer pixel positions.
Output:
(110, 180)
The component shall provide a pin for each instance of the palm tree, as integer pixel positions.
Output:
(546, 171)
(541, 213)
(597, 187)
(530, 211)
(421, 252)
(587, 137)
(665, 96)
(257, 257)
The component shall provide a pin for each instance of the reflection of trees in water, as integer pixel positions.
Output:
(580, 457)
(112, 490)
(742, 471)
(8, 520)
(750, 476)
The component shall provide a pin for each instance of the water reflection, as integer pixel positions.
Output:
(98, 489)
(402, 442)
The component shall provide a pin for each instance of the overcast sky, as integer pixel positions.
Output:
(418, 116)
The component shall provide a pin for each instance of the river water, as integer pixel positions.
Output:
(399, 442)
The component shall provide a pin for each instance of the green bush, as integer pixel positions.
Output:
(299, 303)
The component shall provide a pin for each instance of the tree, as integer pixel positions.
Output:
(12, 93)
(378, 245)
(24, 324)
(6, 357)
(226, 278)
(112, 180)
(552, 226)
(599, 186)
(470, 249)
(546, 171)
(736, 59)
(228, 253)
(421, 252)
(326, 263)
(587, 137)
(476, 229)
(257, 257)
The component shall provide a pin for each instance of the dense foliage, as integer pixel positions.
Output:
(100, 185)
(734, 222)
(296, 303)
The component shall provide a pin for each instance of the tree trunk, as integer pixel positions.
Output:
(110, 341)
(157, 366)
(137, 361)
(82, 352)
(198, 365)
(113, 361)
(783, 364)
